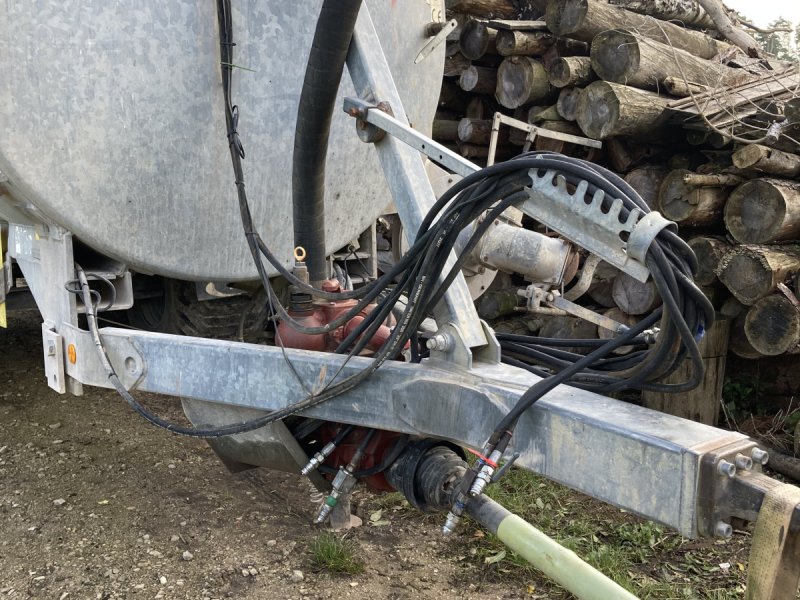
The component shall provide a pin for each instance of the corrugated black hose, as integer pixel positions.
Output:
(335, 25)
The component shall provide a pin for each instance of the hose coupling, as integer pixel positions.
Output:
(485, 474)
(318, 458)
(342, 485)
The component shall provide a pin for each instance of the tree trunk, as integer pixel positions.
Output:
(685, 12)
(454, 65)
(445, 131)
(635, 297)
(772, 326)
(567, 104)
(624, 57)
(752, 272)
(722, 23)
(476, 40)
(571, 70)
(490, 9)
(647, 181)
(767, 160)
(690, 204)
(478, 80)
(584, 19)
(702, 403)
(609, 109)
(764, 210)
(521, 80)
(528, 43)
(543, 113)
(709, 252)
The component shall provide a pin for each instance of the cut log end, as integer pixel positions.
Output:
(748, 276)
(615, 55)
(756, 212)
(772, 326)
(564, 16)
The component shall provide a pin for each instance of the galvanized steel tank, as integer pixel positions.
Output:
(112, 125)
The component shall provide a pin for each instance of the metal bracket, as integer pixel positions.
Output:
(53, 345)
(597, 226)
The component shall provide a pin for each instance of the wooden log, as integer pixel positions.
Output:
(476, 151)
(567, 104)
(752, 272)
(685, 12)
(610, 109)
(702, 403)
(633, 296)
(690, 204)
(479, 131)
(527, 43)
(768, 160)
(764, 210)
(772, 326)
(620, 317)
(626, 153)
(489, 9)
(709, 252)
(480, 107)
(444, 131)
(647, 181)
(454, 65)
(478, 80)
(542, 113)
(569, 328)
(567, 71)
(584, 19)
(542, 142)
(476, 40)
(521, 80)
(680, 87)
(696, 137)
(623, 56)
(452, 98)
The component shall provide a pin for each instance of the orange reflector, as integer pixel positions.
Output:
(72, 354)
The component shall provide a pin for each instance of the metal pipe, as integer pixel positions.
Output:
(559, 564)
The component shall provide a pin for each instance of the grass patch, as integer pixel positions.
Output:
(335, 554)
(647, 559)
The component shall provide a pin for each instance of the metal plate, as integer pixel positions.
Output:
(111, 125)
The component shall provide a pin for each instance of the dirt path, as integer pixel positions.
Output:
(95, 503)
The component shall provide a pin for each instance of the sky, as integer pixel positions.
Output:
(763, 12)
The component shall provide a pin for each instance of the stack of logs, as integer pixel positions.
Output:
(605, 71)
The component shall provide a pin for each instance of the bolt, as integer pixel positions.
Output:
(759, 456)
(743, 462)
(441, 342)
(726, 468)
(723, 529)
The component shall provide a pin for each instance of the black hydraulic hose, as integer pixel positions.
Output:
(335, 25)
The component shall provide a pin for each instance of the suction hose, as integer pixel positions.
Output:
(560, 564)
(335, 25)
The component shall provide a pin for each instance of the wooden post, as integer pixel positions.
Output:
(521, 80)
(768, 160)
(584, 19)
(690, 204)
(772, 326)
(479, 131)
(567, 104)
(709, 252)
(752, 272)
(529, 43)
(445, 131)
(478, 80)
(702, 403)
(454, 65)
(624, 57)
(610, 109)
(764, 210)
